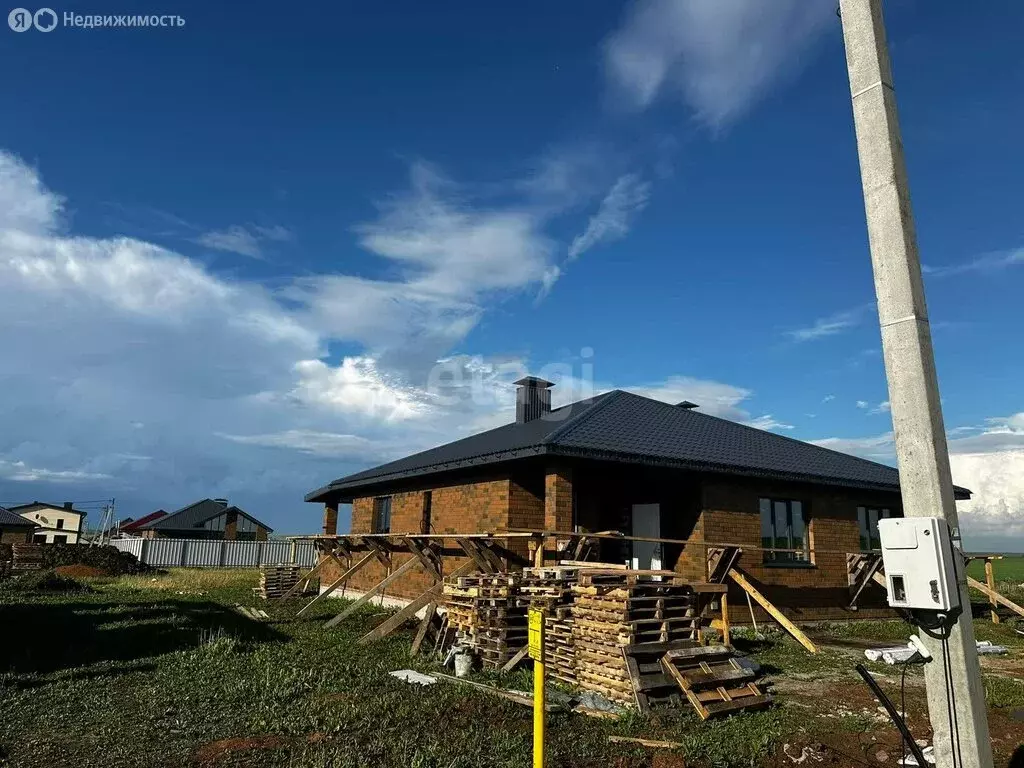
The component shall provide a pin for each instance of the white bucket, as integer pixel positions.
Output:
(463, 664)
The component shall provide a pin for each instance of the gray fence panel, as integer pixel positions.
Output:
(276, 552)
(242, 554)
(205, 553)
(202, 554)
(164, 552)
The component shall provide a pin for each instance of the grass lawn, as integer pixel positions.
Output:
(162, 671)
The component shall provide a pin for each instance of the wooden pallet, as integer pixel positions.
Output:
(714, 682)
(652, 687)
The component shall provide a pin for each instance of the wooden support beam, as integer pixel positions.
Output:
(427, 557)
(492, 557)
(725, 618)
(737, 576)
(470, 547)
(337, 582)
(421, 633)
(867, 576)
(394, 622)
(993, 595)
(403, 569)
(304, 579)
(514, 661)
(990, 582)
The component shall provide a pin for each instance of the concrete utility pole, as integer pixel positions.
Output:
(957, 711)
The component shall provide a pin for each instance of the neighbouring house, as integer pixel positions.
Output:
(207, 519)
(132, 527)
(627, 463)
(55, 524)
(14, 529)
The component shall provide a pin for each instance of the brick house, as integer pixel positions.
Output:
(205, 519)
(14, 529)
(642, 467)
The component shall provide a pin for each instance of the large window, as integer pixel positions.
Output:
(867, 518)
(784, 532)
(382, 514)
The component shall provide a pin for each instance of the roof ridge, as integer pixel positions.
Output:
(764, 431)
(598, 402)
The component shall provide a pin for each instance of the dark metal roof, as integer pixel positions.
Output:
(10, 520)
(626, 427)
(194, 515)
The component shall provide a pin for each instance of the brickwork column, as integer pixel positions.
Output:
(558, 499)
(331, 518)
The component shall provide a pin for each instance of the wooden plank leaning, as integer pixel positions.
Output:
(404, 568)
(338, 582)
(737, 576)
(992, 594)
(394, 622)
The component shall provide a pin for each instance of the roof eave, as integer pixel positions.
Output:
(339, 492)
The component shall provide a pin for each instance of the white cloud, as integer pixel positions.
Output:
(828, 398)
(992, 262)
(990, 464)
(875, 447)
(769, 422)
(828, 326)
(719, 55)
(712, 397)
(245, 241)
(310, 441)
(25, 204)
(882, 407)
(863, 404)
(627, 197)
(20, 472)
(357, 387)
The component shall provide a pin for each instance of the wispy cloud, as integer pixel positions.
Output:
(863, 404)
(245, 241)
(992, 262)
(20, 472)
(627, 197)
(828, 398)
(882, 407)
(719, 55)
(829, 326)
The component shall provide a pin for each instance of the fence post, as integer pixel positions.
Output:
(223, 553)
(184, 551)
(293, 553)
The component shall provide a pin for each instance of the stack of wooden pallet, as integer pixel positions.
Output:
(277, 580)
(489, 614)
(616, 610)
(27, 557)
(550, 590)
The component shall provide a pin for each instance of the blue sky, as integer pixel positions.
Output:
(249, 255)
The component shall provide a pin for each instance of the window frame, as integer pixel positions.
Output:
(787, 555)
(379, 524)
(865, 529)
(428, 509)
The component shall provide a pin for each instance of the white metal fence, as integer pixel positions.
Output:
(204, 553)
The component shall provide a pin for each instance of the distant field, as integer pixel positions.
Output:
(1008, 569)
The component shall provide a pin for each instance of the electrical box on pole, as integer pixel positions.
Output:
(919, 567)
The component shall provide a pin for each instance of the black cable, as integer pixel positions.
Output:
(903, 708)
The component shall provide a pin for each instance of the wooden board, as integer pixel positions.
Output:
(714, 682)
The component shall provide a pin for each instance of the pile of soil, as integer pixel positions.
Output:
(80, 571)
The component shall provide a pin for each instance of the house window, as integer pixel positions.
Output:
(39, 538)
(867, 518)
(382, 514)
(428, 500)
(60, 524)
(245, 525)
(60, 539)
(215, 523)
(784, 532)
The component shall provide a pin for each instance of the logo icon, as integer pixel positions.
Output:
(45, 19)
(20, 20)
